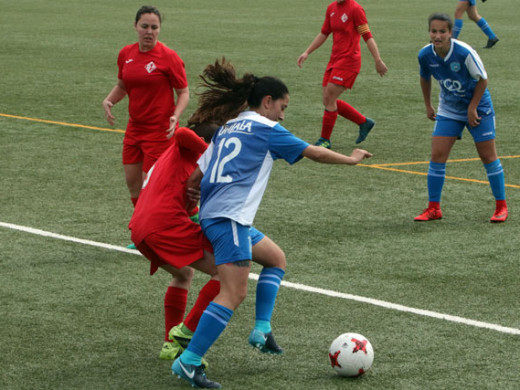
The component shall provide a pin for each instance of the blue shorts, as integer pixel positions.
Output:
(471, 2)
(446, 127)
(231, 241)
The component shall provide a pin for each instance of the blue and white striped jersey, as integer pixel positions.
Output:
(457, 74)
(237, 165)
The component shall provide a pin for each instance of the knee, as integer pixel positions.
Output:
(184, 275)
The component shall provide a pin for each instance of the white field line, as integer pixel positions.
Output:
(296, 286)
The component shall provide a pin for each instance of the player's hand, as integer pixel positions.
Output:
(473, 118)
(173, 125)
(360, 154)
(430, 113)
(381, 68)
(301, 59)
(193, 194)
(107, 106)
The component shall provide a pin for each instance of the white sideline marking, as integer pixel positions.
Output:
(296, 286)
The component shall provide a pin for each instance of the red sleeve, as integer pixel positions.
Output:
(177, 72)
(187, 139)
(120, 63)
(359, 16)
(325, 28)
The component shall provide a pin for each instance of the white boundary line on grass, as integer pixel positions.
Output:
(296, 286)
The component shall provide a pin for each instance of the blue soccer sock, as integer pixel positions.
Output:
(495, 174)
(212, 323)
(484, 26)
(436, 176)
(266, 292)
(457, 28)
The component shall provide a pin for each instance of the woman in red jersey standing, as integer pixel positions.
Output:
(149, 73)
(347, 22)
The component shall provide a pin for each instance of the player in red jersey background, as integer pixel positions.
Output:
(347, 22)
(149, 73)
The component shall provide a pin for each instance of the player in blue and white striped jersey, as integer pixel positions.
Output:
(233, 174)
(464, 101)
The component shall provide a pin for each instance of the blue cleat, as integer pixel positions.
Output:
(364, 129)
(195, 375)
(264, 342)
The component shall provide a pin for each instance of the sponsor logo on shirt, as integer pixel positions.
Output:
(241, 127)
(433, 65)
(453, 85)
(344, 18)
(455, 66)
(150, 67)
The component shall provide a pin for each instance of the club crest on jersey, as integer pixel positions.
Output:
(344, 18)
(455, 66)
(150, 67)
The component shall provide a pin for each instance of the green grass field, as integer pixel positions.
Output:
(74, 315)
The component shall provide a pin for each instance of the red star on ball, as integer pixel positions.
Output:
(334, 359)
(361, 345)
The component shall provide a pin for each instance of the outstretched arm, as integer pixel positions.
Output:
(327, 156)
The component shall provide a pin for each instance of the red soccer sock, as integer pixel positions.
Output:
(206, 295)
(501, 204)
(328, 122)
(175, 301)
(350, 113)
(134, 200)
(434, 205)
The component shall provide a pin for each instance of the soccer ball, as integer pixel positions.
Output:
(351, 354)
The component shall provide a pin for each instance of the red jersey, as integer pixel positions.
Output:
(342, 21)
(162, 200)
(150, 78)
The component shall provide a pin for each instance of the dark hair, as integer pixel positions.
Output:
(226, 96)
(266, 86)
(147, 9)
(442, 17)
(205, 130)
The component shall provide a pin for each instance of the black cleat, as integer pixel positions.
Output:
(491, 43)
(264, 342)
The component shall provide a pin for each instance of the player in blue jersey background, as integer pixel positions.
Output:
(470, 7)
(464, 102)
(233, 174)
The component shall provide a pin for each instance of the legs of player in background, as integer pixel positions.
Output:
(333, 108)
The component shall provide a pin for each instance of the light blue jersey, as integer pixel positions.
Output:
(457, 74)
(237, 165)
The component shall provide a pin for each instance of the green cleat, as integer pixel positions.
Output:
(182, 339)
(323, 142)
(170, 351)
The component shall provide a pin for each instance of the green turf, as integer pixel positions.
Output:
(73, 316)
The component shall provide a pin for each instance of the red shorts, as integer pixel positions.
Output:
(343, 77)
(174, 247)
(147, 152)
